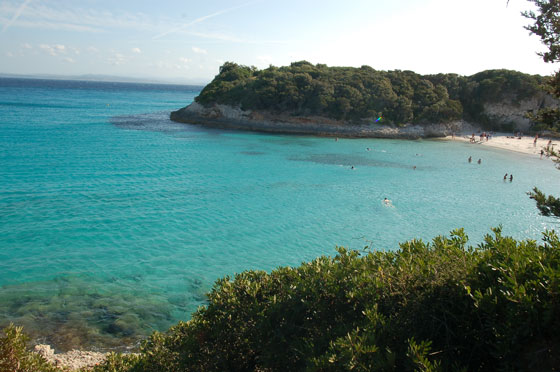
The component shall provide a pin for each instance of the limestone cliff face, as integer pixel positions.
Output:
(223, 116)
(510, 112)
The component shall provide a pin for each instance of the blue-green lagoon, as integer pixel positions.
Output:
(115, 221)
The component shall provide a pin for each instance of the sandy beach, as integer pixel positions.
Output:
(523, 144)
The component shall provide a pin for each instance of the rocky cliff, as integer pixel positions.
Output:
(224, 116)
(514, 113)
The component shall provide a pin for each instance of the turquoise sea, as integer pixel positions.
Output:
(115, 221)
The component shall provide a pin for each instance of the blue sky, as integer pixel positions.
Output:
(188, 41)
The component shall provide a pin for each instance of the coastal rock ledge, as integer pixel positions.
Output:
(72, 360)
(228, 117)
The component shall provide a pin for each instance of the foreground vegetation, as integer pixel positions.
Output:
(439, 306)
(356, 94)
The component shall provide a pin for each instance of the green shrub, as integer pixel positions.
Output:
(439, 306)
(14, 356)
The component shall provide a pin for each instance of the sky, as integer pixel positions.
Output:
(187, 41)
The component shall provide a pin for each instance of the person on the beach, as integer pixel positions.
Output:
(542, 153)
(510, 177)
(505, 177)
(472, 139)
(535, 140)
(470, 159)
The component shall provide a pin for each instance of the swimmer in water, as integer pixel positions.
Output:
(387, 201)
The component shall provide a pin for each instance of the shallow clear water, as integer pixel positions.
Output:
(115, 221)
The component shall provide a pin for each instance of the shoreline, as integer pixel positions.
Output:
(503, 141)
(228, 117)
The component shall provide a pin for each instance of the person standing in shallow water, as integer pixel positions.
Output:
(505, 177)
(470, 159)
(511, 178)
(479, 161)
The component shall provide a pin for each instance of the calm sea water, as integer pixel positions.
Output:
(115, 221)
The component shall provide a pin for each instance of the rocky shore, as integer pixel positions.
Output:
(228, 117)
(72, 360)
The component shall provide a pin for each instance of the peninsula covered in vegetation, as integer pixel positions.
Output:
(307, 98)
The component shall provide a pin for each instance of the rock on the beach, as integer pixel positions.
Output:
(73, 360)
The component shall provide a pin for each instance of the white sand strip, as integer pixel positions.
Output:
(524, 144)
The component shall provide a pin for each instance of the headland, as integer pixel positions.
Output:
(363, 102)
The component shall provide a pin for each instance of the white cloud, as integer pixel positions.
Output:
(198, 50)
(26, 46)
(53, 17)
(9, 54)
(92, 49)
(116, 59)
(136, 50)
(69, 60)
(54, 49)
(184, 64)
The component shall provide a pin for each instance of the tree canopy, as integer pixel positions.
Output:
(355, 94)
(546, 25)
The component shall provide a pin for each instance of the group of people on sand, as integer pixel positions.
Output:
(483, 136)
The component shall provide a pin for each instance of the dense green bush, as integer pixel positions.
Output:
(439, 306)
(358, 94)
(14, 356)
